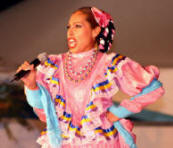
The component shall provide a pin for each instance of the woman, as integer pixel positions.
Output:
(72, 92)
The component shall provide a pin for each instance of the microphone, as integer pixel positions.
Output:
(41, 58)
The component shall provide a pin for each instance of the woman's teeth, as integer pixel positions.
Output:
(72, 43)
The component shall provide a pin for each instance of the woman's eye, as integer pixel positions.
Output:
(67, 27)
(78, 26)
(75, 26)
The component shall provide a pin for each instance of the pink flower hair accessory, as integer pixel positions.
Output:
(101, 17)
(106, 35)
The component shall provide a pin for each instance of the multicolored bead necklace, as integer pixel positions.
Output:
(84, 72)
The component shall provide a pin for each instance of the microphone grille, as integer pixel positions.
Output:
(42, 57)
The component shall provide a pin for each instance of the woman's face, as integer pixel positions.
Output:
(80, 35)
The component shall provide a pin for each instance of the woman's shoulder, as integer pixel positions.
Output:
(55, 58)
(115, 58)
(53, 61)
(46, 70)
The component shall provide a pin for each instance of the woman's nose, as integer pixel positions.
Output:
(70, 31)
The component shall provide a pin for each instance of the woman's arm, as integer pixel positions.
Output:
(137, 81)
(128, 107)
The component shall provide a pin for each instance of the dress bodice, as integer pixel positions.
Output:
(81, 107)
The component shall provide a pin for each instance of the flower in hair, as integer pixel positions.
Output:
(105, 37)
(101, 17)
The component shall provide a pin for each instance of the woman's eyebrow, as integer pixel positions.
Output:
(76, 22)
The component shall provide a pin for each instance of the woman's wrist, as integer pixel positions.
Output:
(111, 117)
(32, 87)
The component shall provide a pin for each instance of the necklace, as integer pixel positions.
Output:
(78, 76)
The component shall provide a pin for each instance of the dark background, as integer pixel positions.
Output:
(28, 27)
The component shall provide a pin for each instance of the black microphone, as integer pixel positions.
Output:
(40, 59)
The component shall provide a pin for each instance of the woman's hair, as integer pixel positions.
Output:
(89, 16)
(102, 41)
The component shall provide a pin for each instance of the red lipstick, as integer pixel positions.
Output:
(72, 42)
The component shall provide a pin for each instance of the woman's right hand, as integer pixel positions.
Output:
(30, 78)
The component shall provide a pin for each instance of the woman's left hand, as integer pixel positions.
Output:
(111, 117)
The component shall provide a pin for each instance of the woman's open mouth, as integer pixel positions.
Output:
(72, 42)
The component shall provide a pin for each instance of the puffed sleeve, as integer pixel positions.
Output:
(141, 83)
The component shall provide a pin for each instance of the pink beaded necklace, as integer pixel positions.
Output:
(78, 76)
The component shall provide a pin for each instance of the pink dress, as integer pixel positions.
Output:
(81, 107)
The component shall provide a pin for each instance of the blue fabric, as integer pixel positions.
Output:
(125, 134)
(151, 87)
(33, 98)
(122, 112)
(54, 132)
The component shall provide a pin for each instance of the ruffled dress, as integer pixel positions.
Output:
(81, 107)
